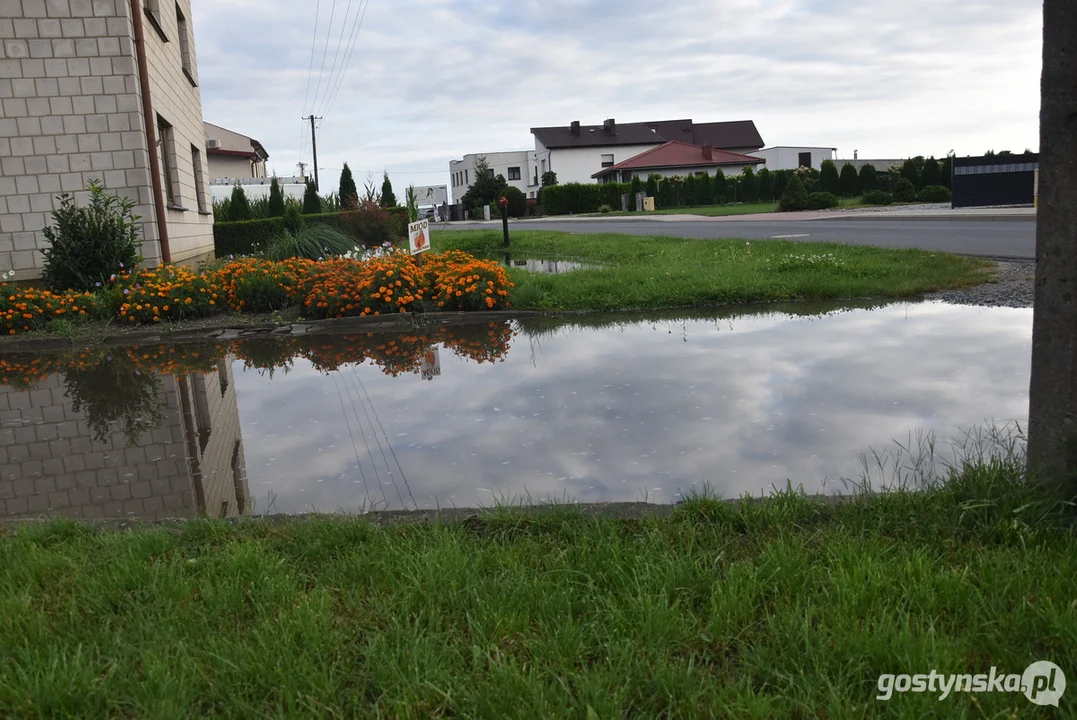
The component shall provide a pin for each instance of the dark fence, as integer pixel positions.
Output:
(995, 180)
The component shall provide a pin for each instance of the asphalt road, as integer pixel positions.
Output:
(991, 238)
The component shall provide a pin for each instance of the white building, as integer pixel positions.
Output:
(576, 153)
(234, 155)
(787, 157)
(519, 169)
(257, 188)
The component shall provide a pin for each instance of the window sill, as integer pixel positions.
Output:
(156, 22)
(176, 208)
(206, 212)
(190, 77)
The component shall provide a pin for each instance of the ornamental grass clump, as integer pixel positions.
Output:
(459, 281)
(170, 292)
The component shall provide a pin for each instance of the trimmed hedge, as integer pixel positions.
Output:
(578, 198)
(935, 194)
(822, 201)
(250, 236)
(877, 197)
(904, 191)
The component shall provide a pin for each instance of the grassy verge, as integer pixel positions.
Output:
(790, 608)
(656, 272)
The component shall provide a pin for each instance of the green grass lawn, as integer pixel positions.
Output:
(790, 608)
(656, 272)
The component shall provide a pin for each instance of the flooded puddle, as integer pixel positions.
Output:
(543, 266)
(624, 408)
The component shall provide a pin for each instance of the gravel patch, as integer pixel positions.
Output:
(1013, 287)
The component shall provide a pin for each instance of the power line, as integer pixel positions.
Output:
(348, 55)
(313, 46)
(328, 36)
(336, 53)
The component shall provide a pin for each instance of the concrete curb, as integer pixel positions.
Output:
(226, 333)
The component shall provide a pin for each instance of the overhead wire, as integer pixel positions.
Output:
(325, 54)
(336, 55)
(365, 4)
(313, 47)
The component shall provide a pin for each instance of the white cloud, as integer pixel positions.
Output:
(430, 80)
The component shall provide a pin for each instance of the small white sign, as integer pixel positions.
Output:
(419, 236)
(431, 363)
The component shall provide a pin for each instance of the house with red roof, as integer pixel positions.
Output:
(576, 152)
(677, 158)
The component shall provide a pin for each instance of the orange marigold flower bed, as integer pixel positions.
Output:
(170, 292)
(459, 281)
(352, 288)
(24, 310)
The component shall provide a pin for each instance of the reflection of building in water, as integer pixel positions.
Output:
(191, 464)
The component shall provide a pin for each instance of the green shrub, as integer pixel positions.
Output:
(368, 223)
(765, 180)
(388, 197)
(877, 197)
(849, 181)
(275, 206)
(87, 245)
(910, 170)
(934, 194)
(292, 220)
(869, 178)
(312, 204)
(348, 193)
(517, 201)
(829, 181)
(605, 209)
(253, 236)
(749, 190)
(577, 198)
(904, 190)
(721, 186)
(652, 184)
(932, 174)
(795, 196)
(239, 207)
(822, 201)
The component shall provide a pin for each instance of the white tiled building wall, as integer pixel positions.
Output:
(72, 112)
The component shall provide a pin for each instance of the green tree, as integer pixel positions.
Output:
(549, 178)
(795, 196)
(869, 178)
(910, 171)
(829, 181)
(945, 170)
(689, 195)
(312, 204)
(765, 181)
(388, 198)
(704, 190)
(239, 207)
(850, 181)
(781, 179)
(932, 175)
(486, 187)
(652, 184)
(348, 194)
(517, 201)
(749, 188)
(276, 199)
(721, 187)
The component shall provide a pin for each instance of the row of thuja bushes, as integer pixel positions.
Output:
(391, 282)
(368, 224)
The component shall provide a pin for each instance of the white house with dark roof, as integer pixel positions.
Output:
(577, 152)
(233, 156)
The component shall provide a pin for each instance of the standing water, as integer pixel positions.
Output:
(595, 408)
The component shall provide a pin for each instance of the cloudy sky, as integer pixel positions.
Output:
(431, 80)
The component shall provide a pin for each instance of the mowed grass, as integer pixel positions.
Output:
(659, 272)
(790, 608)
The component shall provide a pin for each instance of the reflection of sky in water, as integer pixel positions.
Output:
(644, 411)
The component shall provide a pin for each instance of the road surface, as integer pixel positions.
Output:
(1000, 238)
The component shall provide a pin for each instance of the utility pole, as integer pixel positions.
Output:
(314, 145)
(302, 170)
(1052, 422)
